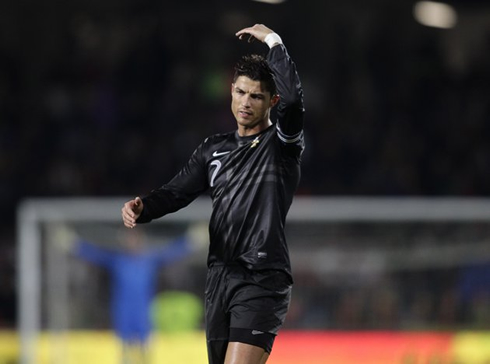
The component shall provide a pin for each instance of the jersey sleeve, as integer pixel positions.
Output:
(290, 110)
(94, 254)
(184, 188)
(172, 252)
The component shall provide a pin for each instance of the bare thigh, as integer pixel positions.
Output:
(240, 353)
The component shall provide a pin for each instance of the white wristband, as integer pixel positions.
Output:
(272, 39)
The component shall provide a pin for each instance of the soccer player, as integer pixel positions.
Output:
(133, 272)
(251, 175)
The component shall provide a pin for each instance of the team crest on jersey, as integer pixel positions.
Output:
(254, 142)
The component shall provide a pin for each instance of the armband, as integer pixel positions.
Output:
(272, 39)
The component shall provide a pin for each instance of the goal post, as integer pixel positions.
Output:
(32, 216)
(328, 237)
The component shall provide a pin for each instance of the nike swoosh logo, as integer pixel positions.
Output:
(257, 332)
(217, 154)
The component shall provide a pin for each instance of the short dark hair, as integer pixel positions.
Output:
(255, 67)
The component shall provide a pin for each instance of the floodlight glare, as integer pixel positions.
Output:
(435, 14)
(270, 1)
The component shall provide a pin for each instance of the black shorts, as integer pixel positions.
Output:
(245, 306)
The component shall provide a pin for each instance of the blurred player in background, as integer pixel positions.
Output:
(251, 174)
(133, 271)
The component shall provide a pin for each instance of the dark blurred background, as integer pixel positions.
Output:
(110, 98)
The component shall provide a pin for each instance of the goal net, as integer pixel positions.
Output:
(358, 264)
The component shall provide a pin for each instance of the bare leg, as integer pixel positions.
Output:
(240, 353)
(134, 353)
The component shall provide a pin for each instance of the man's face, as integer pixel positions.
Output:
(133, 241)
(251, 105)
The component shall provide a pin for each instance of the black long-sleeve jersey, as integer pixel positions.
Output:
(251, 181)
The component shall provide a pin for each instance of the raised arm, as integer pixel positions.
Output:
(260, 32)
(290, 110)
(94, 254)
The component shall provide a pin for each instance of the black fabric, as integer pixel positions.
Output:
(217, 348)
(244, 306)
(251, 181)
(237, 297)
(264, 340)
(217, 351)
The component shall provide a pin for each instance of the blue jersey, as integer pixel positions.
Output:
(133, 279)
